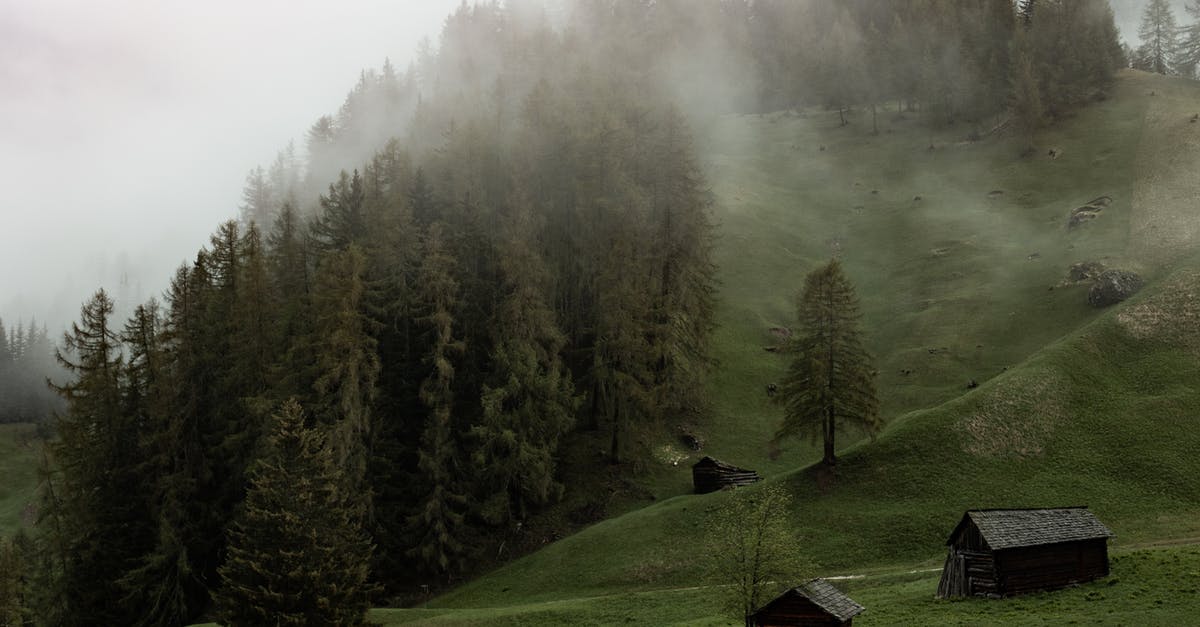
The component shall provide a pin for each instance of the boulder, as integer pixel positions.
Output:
(1085, 271)
(1113, 286)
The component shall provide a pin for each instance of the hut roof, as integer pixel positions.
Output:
(823, 595)
(1011, 528)
(713, 462)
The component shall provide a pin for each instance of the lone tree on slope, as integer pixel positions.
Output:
(830, 384)
(1159, 36)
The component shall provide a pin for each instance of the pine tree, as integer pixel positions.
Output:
(297, 554)
(830, 384)
(1159, 33)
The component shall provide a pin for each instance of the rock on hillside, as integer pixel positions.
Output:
(1113, 286)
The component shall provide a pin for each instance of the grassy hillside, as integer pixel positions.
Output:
(1076, 405)
(18, 476)
(958, 252)
(1147, 586)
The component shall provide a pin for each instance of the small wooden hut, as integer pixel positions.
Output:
(816, 603)
(710, 475)
(1002, 552)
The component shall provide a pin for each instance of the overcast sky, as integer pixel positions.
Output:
(127, 127)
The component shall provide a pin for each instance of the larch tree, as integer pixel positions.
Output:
(297, 554)
(102, 530)
(831, 384)
(1159, 33)
(1188, 53)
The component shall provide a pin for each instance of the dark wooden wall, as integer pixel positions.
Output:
(710, 479)
(1051, 566)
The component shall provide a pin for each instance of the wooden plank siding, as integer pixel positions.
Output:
(1028, 558)
(710, 475)
(1052, 566)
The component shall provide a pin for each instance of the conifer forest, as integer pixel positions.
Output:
(453, 326)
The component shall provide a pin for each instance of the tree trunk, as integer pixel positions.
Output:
(615, 452)
(874, 120)
(830, 458)
(842, 114)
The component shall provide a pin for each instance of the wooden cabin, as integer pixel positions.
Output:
(816, 603)
(710, 475)
(1002, 552)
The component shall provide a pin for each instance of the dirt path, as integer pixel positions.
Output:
(1165, 219)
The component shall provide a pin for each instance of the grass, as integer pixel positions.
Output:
(1146, 587)
(18, 476)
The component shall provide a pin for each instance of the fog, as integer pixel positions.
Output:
(127, 128)
(1128, 16)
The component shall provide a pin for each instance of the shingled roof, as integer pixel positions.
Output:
(1011, 528)
(830, 599)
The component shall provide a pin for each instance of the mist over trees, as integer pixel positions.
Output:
(26, 361)
(498, 251)
(1159, 35)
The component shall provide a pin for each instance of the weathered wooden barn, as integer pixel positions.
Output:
(816, 603)
(1002, 552)
(710, 475)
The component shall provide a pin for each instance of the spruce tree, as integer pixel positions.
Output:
(438, 525)
(830, 384)
(297, 554)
